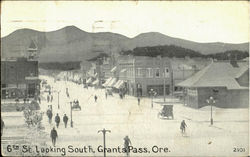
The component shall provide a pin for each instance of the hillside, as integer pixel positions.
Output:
(72, 44)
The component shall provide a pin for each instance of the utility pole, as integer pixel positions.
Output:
(71, 120)
(58, 106)
(104, 138)
(164, 86)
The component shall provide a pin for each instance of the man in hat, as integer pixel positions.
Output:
(53, 135)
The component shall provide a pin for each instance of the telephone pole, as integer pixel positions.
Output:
(104, 140)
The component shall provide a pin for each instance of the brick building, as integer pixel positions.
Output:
(139, 74)
(227, 82)
(19, 76)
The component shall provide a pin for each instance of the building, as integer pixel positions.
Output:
(19, 76)
(139, 74)
(184, 68)
(226, 81)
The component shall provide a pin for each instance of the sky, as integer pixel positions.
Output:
(202, 21)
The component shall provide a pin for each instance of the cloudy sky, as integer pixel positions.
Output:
(215, 21)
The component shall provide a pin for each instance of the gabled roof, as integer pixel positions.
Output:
(32, 45)
(217, 74)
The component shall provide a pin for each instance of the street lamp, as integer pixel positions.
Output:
(58, 92)
(211, 101)
(104, 139)
(152, 93)
(71, 121)
(164, 86)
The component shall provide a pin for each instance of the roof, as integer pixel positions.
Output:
(32, 45)
(217, 74)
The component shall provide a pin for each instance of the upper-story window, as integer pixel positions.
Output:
(139, 72)
(149, 72)
(157, 72)
(166, 72)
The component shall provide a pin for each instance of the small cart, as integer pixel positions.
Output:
(166, 112)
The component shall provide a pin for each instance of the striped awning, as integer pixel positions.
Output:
(123, 70)
(95, 82)
(89, 80)
(107, 81)
(112, 82)
(113, 69)
(119, 84)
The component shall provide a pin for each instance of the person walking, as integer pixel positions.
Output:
(2, 126)
(127, 142)
(53, 135)
(57, 120)
(65, 120)
(48, 98)
(49, 114)
(95, 98)
(139, 100)
(106, 94)
(183, 127)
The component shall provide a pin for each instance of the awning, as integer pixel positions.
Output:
(119, 84)
(107, 81)
(123, 70)
(112, 82)
(31, 78)
(89, 80)
(114, 69)
(95, 82)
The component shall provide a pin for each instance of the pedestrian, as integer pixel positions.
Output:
(139, 101)
(57, 120)
(127, 142)
(95, 98)
(49, 114)
(2, 126)
(53, 135)
(183, 127)
(65, 120)
(48, 98)
(106, 94)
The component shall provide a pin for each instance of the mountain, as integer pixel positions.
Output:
(72, 44)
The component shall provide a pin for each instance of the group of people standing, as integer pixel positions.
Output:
(57, 118)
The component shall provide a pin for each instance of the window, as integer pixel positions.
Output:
(139, 72)
(157, 72)
(166, 72)
(149, 72)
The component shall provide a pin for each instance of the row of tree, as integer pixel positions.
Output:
(180, 52)
(65, 66)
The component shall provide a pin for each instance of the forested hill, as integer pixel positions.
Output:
(179, 52)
